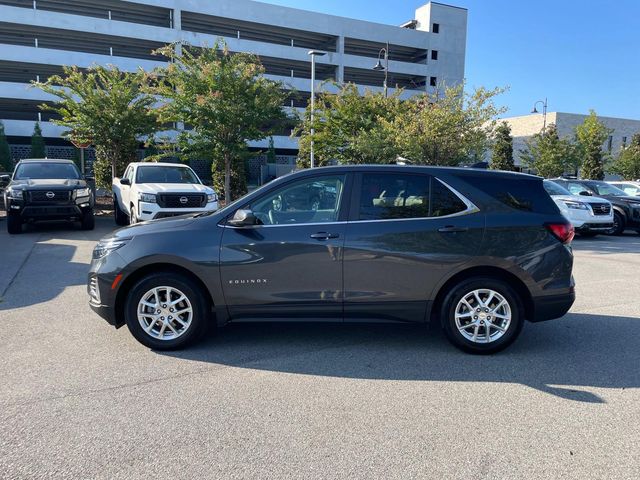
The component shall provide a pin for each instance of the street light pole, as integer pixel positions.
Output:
(384, 67)
(313, 54)
(544, 112)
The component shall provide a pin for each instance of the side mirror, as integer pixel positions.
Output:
(584, 193)
(125, 181)
(5, 178)
(89, 178)
(243, 218)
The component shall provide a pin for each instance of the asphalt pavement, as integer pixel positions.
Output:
(79, 399)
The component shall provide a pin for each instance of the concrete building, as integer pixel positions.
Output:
(524, 127)
(37, 37)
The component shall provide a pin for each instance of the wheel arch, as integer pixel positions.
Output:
(153, 268)
(433, 315)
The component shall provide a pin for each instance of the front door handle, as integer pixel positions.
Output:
(324, 236)
(452, 229)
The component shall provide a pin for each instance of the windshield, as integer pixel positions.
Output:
(168, 174)
(553, 188)
(46, 171)
(603, 188)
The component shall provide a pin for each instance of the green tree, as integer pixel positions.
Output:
(350, 128)
(591, 136)
(627, 164)
(448, 128)
(6, 165)
(38, 148)
(502, 155)
(106, 107)
(548, 154)
(226, 100)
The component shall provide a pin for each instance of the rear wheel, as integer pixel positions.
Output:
(482, 315)
(166, 311)
(618, 224)
(14, 223)
(120, 217)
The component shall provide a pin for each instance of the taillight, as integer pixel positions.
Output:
(562, 231)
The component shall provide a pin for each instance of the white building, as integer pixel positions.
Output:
(37, 37)
(524, 127)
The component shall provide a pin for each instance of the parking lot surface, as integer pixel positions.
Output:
(82, 400)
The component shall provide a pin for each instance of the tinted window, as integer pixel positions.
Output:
(46, 170)
(603, 188)
(313, 200)
(555, 189)
(396, 196)
(168, 174)
(524, 194)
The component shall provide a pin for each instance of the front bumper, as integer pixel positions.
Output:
(152, 211)
(36, 212)
(594, 227)
(103, 285)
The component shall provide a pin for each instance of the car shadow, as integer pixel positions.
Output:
(565, 358)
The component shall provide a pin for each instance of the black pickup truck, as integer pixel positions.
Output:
(45, 189)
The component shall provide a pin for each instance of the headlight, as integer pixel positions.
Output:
(15, 194)
(212, 197)
(105, 247)
(577, 205)
(82, 192)
(147, 197)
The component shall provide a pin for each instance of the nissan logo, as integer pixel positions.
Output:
(50, 194)
(183, 200)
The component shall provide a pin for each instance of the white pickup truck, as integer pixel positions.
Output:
(148, 191)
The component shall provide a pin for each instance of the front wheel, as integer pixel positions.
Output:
(121, 217)
(482, 315)
(618, 224)
(88, 221)
(166, 311)
(14, 223)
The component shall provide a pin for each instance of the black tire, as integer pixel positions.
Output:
(588, 234)
(619, 224)
(14, 224)
(463, 289)
(196, 297)
(88, 221)
(121, 218)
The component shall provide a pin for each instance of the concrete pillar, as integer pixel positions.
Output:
(340, 50)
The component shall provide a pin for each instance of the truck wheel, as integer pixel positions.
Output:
(619, 225)
(133, 216)
(14, 224)
(121, 218)
(166, 311)
(88, 221)
(482, 315)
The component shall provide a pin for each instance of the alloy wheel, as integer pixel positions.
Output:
(483, 316)
(165, 313)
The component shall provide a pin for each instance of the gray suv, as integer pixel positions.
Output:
(478, 252)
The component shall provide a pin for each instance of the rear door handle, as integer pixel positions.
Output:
(324, 235)
(452, 229)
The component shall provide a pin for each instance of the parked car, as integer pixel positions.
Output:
(626, 209)
(628, 187)
(149, 191)
(478, 252)
(47, 189)
(588, 215)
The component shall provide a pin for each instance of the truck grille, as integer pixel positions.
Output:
(50, 196)
(601, 208)
(182, 200)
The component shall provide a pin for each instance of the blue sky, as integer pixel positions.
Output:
(581, 54)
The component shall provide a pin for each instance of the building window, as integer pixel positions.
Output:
(436, 28)
(434, 54)
(610, 143)
(433, 81)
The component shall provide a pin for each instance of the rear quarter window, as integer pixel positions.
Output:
(523, 194)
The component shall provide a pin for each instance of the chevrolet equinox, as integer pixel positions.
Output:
(478, 252)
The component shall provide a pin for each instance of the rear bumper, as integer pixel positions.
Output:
(552, 306)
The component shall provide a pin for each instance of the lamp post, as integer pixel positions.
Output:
(379, 67)
(313, 54)
(544, 112)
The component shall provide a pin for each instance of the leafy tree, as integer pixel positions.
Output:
(591, 136)
(548, 154)
(627, 165)
(106, 107)
(6, 165)
(448, 128)
(226, 100)
(502, 155)
(350, 128)
(38, 148)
